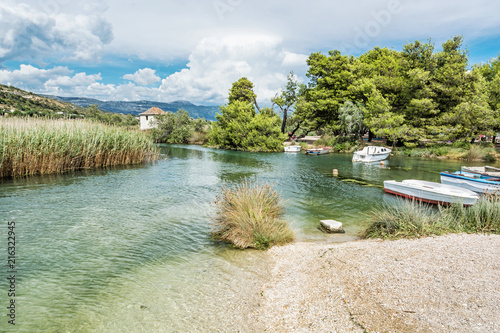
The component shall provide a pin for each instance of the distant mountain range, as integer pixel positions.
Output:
(136, 107)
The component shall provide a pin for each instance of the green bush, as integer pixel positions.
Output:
(179, 128)
(439, 150)
(461, 144)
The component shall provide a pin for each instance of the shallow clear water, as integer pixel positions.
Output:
(127, 249)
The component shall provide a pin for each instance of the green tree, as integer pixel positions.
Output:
(491, 73)
(238, 126)
(331, 78)
(242, 90)
(287, 99)
(173, 128)
(351, 119)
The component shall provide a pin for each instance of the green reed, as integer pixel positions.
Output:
(30, 146)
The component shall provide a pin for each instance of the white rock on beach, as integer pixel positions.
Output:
(332, 226)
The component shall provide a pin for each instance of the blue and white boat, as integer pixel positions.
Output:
(479, 183)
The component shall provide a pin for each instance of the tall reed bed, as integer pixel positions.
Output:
(42, 146)
(250, 215)
(410, 219)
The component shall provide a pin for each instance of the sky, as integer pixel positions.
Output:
(193, 50)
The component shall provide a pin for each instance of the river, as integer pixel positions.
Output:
(127, 249)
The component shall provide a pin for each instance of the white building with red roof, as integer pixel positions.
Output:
(148, 117)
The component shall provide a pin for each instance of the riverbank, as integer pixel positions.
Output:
(435, 284)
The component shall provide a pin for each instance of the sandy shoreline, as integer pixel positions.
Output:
(435, 284)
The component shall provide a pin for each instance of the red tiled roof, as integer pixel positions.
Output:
(153, 110)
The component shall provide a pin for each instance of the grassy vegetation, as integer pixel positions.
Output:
(339, 144)
(250, 215)
(31, 146)
(459, 150)
(409, 219)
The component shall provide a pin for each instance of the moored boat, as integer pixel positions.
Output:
(371, 154)
(318, 151)
(431, 192)
(484, 170)
(479, 183)
(292, 149)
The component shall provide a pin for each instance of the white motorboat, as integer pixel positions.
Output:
(292, 149)
(477, 182)
(371, 154)
(431, 192)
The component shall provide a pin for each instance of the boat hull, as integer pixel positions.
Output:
(430, 192)
(473, 182)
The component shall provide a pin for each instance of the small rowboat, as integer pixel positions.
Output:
(318, 151)
(431, 192)
(484, 170)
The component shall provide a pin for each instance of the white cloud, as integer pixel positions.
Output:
(57, 80)
(214, 65)
(29, 31)
(29, 77)
(222, 40)
(218, 62)
(79, 79)
(143, 77)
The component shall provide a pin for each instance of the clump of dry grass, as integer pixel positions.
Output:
(42, 146)
(475, 153)
(410, 219)
(250, 215)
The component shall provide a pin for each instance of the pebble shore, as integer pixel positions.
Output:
(435, 284)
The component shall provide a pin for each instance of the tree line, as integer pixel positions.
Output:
(410, 97)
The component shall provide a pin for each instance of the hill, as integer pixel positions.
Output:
(20, 102)
(135, 107)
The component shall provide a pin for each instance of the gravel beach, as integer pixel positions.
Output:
(436, 284)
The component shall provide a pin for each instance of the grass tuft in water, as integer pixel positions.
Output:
(250, 216)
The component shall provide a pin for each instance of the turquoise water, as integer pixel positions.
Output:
(127, 249)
